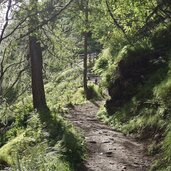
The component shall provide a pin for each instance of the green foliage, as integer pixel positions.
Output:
(73, 144)
(38, 154)
(165, 162)
(11, 95)
(102, 114)
(78, 97)
(128, 37)
(162, 34)
(163, 90)
(41, 157)
(103, 62)
(7, 150)
(36, 143)
(94, 92)
(65, 89)
(107, 64)
(167, 145)
(145, 111)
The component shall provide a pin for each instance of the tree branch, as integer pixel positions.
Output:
(149, 23)
(16, 80)
(2, 37)
(116, 22)
(18, 25)
(6, 20)
(9, 66)
(46, 21)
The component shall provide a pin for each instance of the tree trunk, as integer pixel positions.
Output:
(1, 78)
(86, 52)
(85, 65)
(39, 101)
(35, 53)
(1, 93)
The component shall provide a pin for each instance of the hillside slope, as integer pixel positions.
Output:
(139, 82)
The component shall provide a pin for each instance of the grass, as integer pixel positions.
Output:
(146, 114)
(65, 89)
(42, 144)
(95, 92)
(6, 152)
(44, 141)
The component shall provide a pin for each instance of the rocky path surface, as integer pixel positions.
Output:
(107, 150)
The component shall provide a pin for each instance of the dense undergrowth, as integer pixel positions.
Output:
(139, 82)
(43, 141)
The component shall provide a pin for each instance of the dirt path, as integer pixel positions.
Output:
(107, 150)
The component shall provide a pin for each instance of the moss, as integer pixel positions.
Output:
(7, 152)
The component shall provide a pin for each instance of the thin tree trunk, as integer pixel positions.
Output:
(86, 52)
(1, 76)
(85, 64)
(1, 93)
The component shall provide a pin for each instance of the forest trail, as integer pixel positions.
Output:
(107, 150)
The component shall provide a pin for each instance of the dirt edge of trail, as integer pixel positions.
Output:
(107, 149)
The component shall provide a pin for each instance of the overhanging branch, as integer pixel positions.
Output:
(6, 20)
(46, 21)
(116, 22)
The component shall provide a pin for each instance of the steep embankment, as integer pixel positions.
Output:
(139, 82)
(107, 150)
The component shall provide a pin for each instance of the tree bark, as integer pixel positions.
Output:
(86, 52)
(35, 54)
(38, 93)
(1, 93)
(85, 65)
